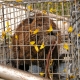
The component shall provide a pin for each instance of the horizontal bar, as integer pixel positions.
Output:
(36, 1)
(9, 73)
(40, 0)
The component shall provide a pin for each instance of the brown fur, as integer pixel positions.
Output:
(22, 48)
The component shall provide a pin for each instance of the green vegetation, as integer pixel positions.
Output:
(60, 8)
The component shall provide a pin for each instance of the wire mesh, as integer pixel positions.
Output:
(40, 37)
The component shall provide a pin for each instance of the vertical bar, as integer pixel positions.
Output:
(4, 43)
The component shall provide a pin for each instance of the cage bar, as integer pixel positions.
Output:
(41, 37)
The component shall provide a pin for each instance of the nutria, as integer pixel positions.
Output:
(23, 50)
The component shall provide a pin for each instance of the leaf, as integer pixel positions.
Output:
(70, 29)
(65, 46)
(32, 42)
(36, 31)
(36, 48)
(29, 7)
(16, 37)
(42, 46)
(50, 29)
(41, 74)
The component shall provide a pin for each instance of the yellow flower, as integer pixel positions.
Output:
(52, 10)
(50, 29)
(44, 11)
(19, 0)
(3, 34)
(36, 31)
(8, 29)
(42, 46)
(32, 42)
(36, 48)
(72, 77)
(70, 29)
(41, 74)
(29, 7)
(7, 24)
(51, 62)
(65, 46)
(16, 37)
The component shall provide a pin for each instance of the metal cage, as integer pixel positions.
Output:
(41, 37)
